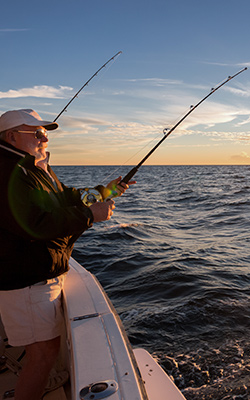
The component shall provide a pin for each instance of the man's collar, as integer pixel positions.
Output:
(7, 146)
(15, 151)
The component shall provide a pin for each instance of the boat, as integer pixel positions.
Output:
(95, 353)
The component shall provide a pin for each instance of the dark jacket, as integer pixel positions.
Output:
(39, 221)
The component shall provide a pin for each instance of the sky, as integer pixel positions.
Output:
(173, 53)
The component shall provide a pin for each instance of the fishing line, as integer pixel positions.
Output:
(107, 194)
(167, 132)
(147, 144)
(130, 158)
(126, 162)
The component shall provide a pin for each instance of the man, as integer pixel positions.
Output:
(40, 220)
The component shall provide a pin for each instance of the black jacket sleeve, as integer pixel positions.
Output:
(43, 212)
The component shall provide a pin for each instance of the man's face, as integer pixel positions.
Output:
(26, 140)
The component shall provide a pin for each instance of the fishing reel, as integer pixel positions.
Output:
(90, 196)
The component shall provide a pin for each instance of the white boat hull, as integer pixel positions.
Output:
(99, 349)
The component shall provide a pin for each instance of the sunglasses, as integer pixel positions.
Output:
(38, 134)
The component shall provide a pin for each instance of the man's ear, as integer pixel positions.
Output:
(10, 137)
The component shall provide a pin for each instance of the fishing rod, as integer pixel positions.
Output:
(85, 84)
(167, 132)
(101, 193)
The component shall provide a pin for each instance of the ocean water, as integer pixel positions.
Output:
(174, 260)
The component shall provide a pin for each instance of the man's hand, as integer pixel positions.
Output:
(102, 211)
(118, 189)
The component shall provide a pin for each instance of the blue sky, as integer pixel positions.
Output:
(173, 53)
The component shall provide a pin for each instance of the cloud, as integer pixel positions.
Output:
(79, 123)
(155, 81)
(246, 121)
(142, 111)
(240, 89)
(42, 91)
(207, 116)
(164, 102)
(148, 83)
(245, 64)
(221, 135)
(14, 30)
(242, 157)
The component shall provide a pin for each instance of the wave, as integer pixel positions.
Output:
(174, 259)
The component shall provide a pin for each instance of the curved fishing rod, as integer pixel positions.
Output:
(101, 193)
(167, 132)
(85, 84)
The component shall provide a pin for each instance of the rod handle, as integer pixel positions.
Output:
(106, 193)
(129, 175)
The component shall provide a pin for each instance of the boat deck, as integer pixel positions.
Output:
(8, 381)
(58, 394)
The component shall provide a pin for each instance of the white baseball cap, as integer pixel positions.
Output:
(14, 118)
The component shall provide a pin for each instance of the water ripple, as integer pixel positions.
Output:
(174, 260)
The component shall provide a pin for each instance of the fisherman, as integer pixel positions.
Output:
(40, 220)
